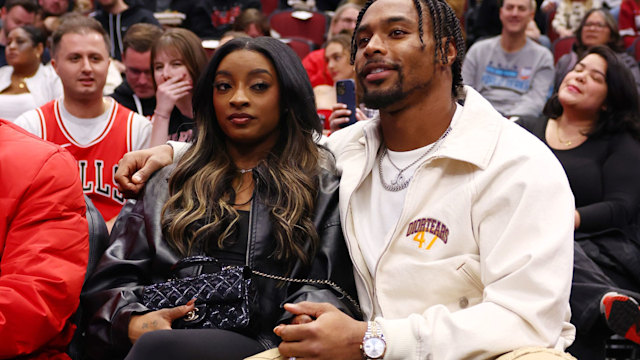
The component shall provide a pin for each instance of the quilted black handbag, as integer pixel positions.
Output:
(222, 298)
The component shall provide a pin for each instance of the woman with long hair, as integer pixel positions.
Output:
(598, 27)
(592, 126)
(25, 83)
(177, 59)
(253, 190)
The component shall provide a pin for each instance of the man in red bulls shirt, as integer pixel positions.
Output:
(95, 129)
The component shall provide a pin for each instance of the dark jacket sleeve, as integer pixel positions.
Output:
(114, 291)
(621, 193)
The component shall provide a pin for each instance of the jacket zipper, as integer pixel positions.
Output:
(250, 231)
(367, 285)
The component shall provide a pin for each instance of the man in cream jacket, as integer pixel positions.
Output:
(459, 224)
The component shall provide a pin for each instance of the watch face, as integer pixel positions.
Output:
(374, 347)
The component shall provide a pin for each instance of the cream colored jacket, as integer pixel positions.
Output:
(497, 206)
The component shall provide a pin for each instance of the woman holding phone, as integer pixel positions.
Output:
(337, 56)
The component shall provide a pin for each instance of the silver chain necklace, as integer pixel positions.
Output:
(400, 183)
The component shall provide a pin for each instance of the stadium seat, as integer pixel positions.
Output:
(301, 46)
(562, 46)
(290, 23)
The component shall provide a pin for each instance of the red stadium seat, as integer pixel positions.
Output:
(634, 49)
(562, 46)
(269, 6)
(287, 25)
(551, 33)
(301, 46)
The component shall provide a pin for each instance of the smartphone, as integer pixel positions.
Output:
(346, 94)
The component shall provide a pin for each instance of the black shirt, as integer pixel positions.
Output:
(604, 173)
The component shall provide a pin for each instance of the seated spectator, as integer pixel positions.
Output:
(338, 58)
(44, 246)
(592, 127)
(570, 13)
(138, 91)
(212, 18)
(25, 83)
(252, 22)
(230, 35)
(226, 198)
(15, 13)
(177, 60)
(629, 21)
(49, 13)
(486, 23)
(96, 130)
(116, 16)
(337, 52)
(344, 19)
(511, 71)
(597, 28)
(55, 7)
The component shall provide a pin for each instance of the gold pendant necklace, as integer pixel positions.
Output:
(563, 142)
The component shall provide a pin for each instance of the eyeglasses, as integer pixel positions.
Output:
(138, 72)
(597, 25)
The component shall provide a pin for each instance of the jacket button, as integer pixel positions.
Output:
(463, 302)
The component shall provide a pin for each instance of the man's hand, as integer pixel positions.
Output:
(135, 168)
(156, 320)
(333, 335)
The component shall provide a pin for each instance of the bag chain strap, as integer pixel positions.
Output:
(313, 282)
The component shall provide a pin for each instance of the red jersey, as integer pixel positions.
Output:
(97, 160)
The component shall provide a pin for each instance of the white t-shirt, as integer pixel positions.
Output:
(85, 130)
(386, 206)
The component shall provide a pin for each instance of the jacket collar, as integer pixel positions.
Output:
(473, 137)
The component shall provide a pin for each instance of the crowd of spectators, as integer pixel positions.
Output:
(102, 78)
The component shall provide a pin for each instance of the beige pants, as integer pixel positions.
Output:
(531, 353)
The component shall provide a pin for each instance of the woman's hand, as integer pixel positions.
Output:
(340, 115)
(156, 320)
(168, 94)
(576, 220)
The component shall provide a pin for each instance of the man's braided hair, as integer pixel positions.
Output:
(445, 24)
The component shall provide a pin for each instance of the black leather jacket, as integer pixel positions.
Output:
(138, 255)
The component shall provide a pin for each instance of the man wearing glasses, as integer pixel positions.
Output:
(137, 92)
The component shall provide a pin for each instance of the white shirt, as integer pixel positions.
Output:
(12, 106)
(386, 205)
(85, 130)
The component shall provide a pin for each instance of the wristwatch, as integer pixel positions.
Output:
(373, 344)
